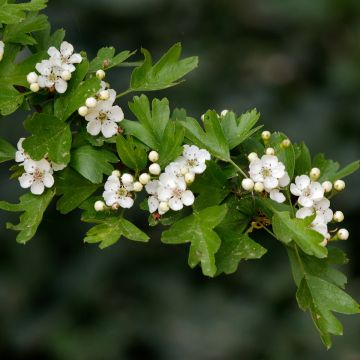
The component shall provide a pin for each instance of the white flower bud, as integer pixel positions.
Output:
(285, 143)
(270, 151)
(189, 178)
(338, 216)
(224, 112)
(100, 74)
(247, 184)
(266, 135)
(34, 87)
(116, 173)
(99, 206)
(138, 186)
(339, 185)
(32, 77)
(104, 94)
(314, 173)
(66, 75)
(343, 234)
(83, 110)
(184, 170)
(259, 187)
(127, 178)
(253, 156)
(327, 186)
(153, 156)
(154, 169)
(91, 102)
(164, 206)
(144, 178)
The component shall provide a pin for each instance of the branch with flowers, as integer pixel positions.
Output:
(211, 183)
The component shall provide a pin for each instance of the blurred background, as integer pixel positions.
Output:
(298, 63)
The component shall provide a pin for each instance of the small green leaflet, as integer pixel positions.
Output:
(287, 229)
(50, 136)
(92, 163)
(10, 99)
(212, 138)
(74, 189)
(236, 130)
(32, 208)
(165, 73)
(111, 229)
(15, 13)
(106, 59)
(7, 151)
(130, 153)
(302, 159)
(198, 230)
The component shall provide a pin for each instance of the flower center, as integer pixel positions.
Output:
(307, 192)
(193, 163)
(266, 172)
(177, 193)
(38, 175)
(53, 77)
(102, 116)
(122, 192)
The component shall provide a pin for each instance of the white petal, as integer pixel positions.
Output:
(302, 182)
(61, 85)
(109, 128)
(199, 169)
(277, 196)
(43, 165)
(255, 166)
(153, 203)
(317, 191)
(304, 212)
(44, 82)
(75, 59)
(94, 127)
(53, 52)
(110, 198)
(187, 198)
(112, 185)
(164, 194)
(295, 190)
(126, 202)
(30, 166)
(305, 201)
(116, 114)
(203, 155)
(190, 152)
(269, 161)
(44, 68)
(278, 171)
(168, 180)
(26, 180)
(37, 188)
(20, 156)
(48, 180)
(271, 182)
(328, 215)
(175, 204)
(284, 180)
(66, 49)
(151, 187)
(257, 177)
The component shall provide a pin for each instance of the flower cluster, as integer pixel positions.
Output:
(55, 71)
(37, 175)
(2, 48)
(101, 113)
(267, 174)
(170, 191)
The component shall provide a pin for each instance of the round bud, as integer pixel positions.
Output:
(91, 102)
(266, 135)
(154, 169)
(99, 206)
(32, 77)
(339, 185)
(66, 75)
(144, 178)
(189, 178)
(100, 74)
(116, 173)
(83, 110)
(285, 143)
(338, 216)
(270, 151)
(138, 186)
(259, 187)
(104, 95)
(314, 173)
(34, 87)
(224, 112)
(247, 184)
(184, 170)
(153, 156)
(343, 234)
(253, 156)
(164, 206)
(127, 178)
(327, 186)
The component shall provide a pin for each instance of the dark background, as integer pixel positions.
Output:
(298, 63)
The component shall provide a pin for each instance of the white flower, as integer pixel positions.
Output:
(65, 58)
(178, 169)
(37, 176)
(307, 190)
(50, 76)
(104, 118)
(319, 224)
(2, 47)
(20, 155)
(117, 192)
(194, 159)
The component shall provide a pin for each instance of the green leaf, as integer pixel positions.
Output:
(131, 154)
(198, 230)
(50, 136)
(45, 39)
(7, 151)
(92, 163)
(234, 248)
(287, 229)
(236, 130)
(346, 171)
(321, 298)
(106, 59)
(74, 189)
(328, 168)
(33, 208)
(110, 230)
(15, 13)
(165, 73)
(10, 99)
(212, 138)
(77, 93)
(303, 159)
